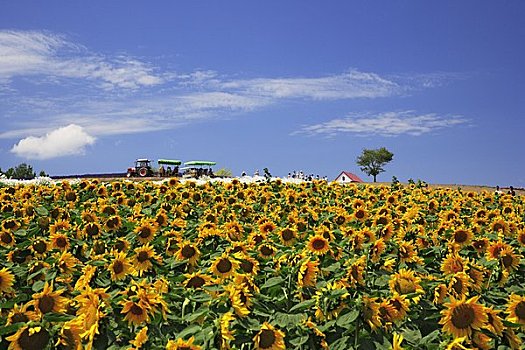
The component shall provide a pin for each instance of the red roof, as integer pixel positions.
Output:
(351, 176)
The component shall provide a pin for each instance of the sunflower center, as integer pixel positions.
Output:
(224, 266)
(463, 316)
(360, 214)
(46, 304)
(266, 251)
(405, 286)
(120, 245)
(354, 271)
(340, 220)
(267, 338)
(9, 224)
(287, 235)
(318, 244)
(196, 282)
(35, 341)
(39, 247)
(19, 317)
(142, 256)
(460, 236)
(188, 252)
(71, 196)
(6, 238)
(497, 226)
(382, 221)
(92, 230)
(458, 285)
(61, 242)
(136, 310)
(118, 267)
(145, 232)
(520, 310)
(507, 260)
(247, 266)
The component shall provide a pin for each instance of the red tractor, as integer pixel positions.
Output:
(142, 168)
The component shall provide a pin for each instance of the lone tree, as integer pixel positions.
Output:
(372, 161)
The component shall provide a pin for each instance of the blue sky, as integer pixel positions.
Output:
(288, 85)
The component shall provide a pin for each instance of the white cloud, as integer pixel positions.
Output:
(27, 53)
(384, 124)
(64, 141)
(349, 85)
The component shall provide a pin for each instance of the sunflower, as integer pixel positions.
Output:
(140, 339)
(459, 284)
(453, 263)
(144, 256)
(516, 309)
(240, 298)
(113, 223)
(461, 236)
(120, 266)
(224, 266)
(400, 305)
(407, 252)
(376, 249)
(59, 241)
(21, 314)
(287, 236)
(318, 245)
(307, 275)
(480, 244)
(509, 260)
(266, 251)
(29, 338)
(371, 312)
(181, 344)
(269, 338)
(521, 237)
(226, 332)
(405, 282)
(188, 251)
(92, 229)
(499, 225)
(267, 227)
(58, 226)
(49, 301)
(495, 248)
(461, 317)
(249, 265)
(360, 214)
(6, 280)
(7, 239)
(196, 280)
(10, 225)
(70, 335)
(136, 312)
(145, 231)
(355, 273)
(494, 322)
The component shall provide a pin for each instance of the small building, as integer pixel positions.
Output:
(348, 177)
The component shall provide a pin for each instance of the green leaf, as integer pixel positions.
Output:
(299, 341)
(271, 282)
(197, 314)
(189, 331)
(429, 338)
(303, 305)
(38, 286)
(56, 317)
(12, 328)
(42, 211)
(200, 297)
(340, 344)
(346, 319)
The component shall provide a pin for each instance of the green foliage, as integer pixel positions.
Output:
(21, 172)
(372, 161)
(224, 172)
(42, 173)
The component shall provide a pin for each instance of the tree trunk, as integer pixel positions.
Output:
(375, 178)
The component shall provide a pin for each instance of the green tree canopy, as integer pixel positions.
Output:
(21, 172)
(372, 161)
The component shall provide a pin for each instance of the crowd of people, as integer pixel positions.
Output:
(307, 177)
(510, 191)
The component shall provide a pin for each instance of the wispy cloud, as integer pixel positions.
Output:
(349, 85)
(384, 124)
(64, 141)
(31, 53)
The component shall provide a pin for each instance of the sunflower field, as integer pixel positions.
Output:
(271, 265)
